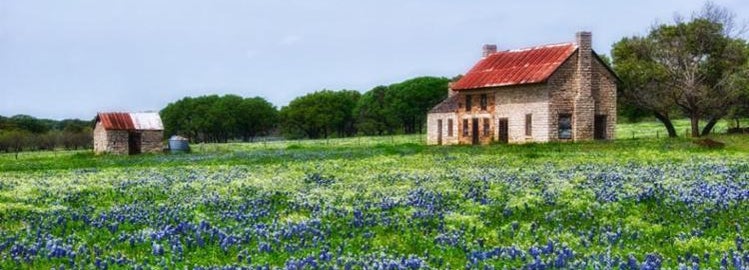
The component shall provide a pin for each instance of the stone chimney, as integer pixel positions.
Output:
(489, 49)
(584, 62)
(584, 108)
(450, 91)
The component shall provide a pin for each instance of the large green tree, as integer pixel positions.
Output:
(372, 114)
(321, 114)
(410, 100)
(256, 116)
(694, 67)
(216, 118)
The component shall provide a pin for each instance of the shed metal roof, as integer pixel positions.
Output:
(515, 67)
(130, 121)
(147, 121)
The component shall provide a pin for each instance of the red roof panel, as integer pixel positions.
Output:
(514, 67)
(116, 121)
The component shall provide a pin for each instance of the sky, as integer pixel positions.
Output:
(73, 58)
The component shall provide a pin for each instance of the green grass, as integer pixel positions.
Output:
(655, 129)
(553, 192)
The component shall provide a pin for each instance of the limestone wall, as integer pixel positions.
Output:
(604, 94)
(476, 111)
(514, 103)
(152, 141)
(117, 142)
(433, 129)
(100, 139)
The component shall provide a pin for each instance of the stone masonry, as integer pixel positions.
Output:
(117, 141)
(582, 88)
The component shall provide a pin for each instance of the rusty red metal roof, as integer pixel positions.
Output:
(515, 67)
(116, 120)
(130, 121)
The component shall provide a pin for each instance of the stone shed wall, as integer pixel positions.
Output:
(151, 141)
(117, 142)
(100, 139)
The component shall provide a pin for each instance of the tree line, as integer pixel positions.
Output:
(396, 108)
(399, 108)
(24, 132)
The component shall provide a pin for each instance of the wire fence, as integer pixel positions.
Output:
(662, 133)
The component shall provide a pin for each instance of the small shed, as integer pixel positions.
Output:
(128, 133)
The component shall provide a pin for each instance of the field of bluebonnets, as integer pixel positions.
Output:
(381, 203)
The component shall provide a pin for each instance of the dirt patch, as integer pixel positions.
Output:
(709, 143)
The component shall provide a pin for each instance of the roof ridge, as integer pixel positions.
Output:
(552, 45)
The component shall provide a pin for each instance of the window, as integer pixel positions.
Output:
(483, 102)
(468, 103)
(465, 127)
(565, 126)
(529, 125)
(449, 127)
(487, 132)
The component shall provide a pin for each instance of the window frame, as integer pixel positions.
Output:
(487, 127)
(564, 133)
(465, 127)
(469, 102)
(528, 124)
(484, 102)
(449, 127)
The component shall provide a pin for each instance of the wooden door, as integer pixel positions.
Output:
(475, 131)
(503, 131)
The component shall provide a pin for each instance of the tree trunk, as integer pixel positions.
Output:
(695, 122)
(667, 123)
(709, 127)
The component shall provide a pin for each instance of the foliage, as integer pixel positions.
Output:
(627, 204)
(23, 132)
(216, 118)
(373, 117)
(696, 67)
(321, 114)
(410, 100)
(404, 106)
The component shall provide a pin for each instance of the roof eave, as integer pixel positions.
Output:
(502, 85)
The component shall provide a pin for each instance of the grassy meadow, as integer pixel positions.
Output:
(386, 202)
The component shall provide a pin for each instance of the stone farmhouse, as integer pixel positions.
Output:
(128, 133)
(558, 92)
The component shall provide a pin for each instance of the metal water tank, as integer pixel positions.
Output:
(179, 144)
